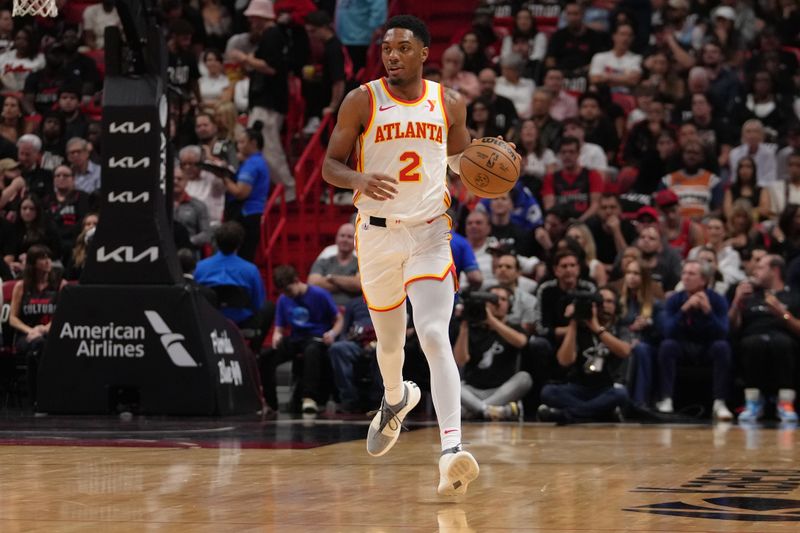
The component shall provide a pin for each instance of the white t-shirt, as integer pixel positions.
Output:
(96, 19)
(210, 190)
(777, 195)
(14, 70)
(532, 165)
(520, 93)
(765, 158)
(610, 63)
(593, 157)
(211, 88)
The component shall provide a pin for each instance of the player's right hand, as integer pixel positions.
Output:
(377, 186)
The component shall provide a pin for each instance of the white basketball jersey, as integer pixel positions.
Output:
(407, 141)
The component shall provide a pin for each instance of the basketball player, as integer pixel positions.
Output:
(406, 131)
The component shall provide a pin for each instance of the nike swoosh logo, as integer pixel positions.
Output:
(446, 431)
(385, 108)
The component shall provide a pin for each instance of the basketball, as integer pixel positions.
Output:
(489, 167)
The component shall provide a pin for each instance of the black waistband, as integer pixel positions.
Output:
(377, 221)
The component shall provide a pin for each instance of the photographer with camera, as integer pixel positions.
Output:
(593, 333)
(487, 350)
(764, 314)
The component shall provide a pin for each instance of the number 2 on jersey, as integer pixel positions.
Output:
(410, 171)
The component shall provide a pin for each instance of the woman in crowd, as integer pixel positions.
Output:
(743, 233)
(639, 308)
(744, 187)
(727, 260)
(537, 160)
(481, 119)
(33, 304)
(583, 236)
(214, 86)
(786, 235)
(525, 25)
(12, 120)
(475, 58)
(225, 117)
(81, 247)
(32, 226)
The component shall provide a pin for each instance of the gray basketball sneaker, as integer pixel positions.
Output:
(387, 423)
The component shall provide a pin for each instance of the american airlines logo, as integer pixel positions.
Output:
(126, 254)
(128, 162)
(129, 127)
(172, 342)
(127, 197)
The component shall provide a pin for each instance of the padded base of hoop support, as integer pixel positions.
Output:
(154, 349)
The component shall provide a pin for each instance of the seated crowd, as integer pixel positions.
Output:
(655, 227)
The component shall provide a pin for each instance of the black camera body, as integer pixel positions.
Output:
(583, 302)
(475, 305)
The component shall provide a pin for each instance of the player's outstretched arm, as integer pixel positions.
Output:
(352, 119)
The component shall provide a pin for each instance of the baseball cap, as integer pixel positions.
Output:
(8, 164)
(665, 198)
(260, 8)
(647, 211)
(725, 12)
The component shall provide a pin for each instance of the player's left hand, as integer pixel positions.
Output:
(512, 145)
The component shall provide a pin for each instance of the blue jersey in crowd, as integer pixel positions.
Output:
(308, 315)
(221, 269)
(463, 256)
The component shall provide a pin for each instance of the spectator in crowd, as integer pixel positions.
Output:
(12, 120)
(525, 26)
(96, 18)
(640, 306)
(467, 269)
(226, 118)
(770, 55)
(724, 85)
(713, 131)
(356, 23)
(477, 230)
(94, 137)
(33, 304)
(787, 192)
(87, 173)
(182, 71)
(503, 110)
(355, 347)
(553, 230)
(480, 119)
(782, 159)
(658, 75)
(339, 274)
(563, 105)
(763, 314)
(663, 261)
(81, 247)
(226, 269)
(203, 184)
(743, 233)
(582, 235)
(17, 63)
(79, 65)
(588, 351)
(53, 140)
(32, 226)
(786, 235)
(743, 186)
(269, 89)
(510, 225)
(728, 262)
(619, 68)
(190, 212)
(38, 179)
(12, 185)
(572, 47)
(762, 153)
(76, 123)
(307, 322)
(325, 91)
(41, 87)
(556, 294)
(681, 232)
(508, 272)
(591, 156)
(66, 206)
(6, 29)
(214, 85)
(217, 22)
(488, 352)
(475, 58)
(216, 148)
(513, 86)
(695, 323)
(763, 103)
(643, 137)
(537, 159)
(573, 186)
(550, 130)
(249, 189)
(610, 232)
(699, 191)
(599, 129)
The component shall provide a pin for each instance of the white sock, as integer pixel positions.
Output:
(752, 395)
(786, 395)
(390, 329)
(432, 302)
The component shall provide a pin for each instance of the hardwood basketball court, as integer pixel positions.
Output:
(74, 474)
